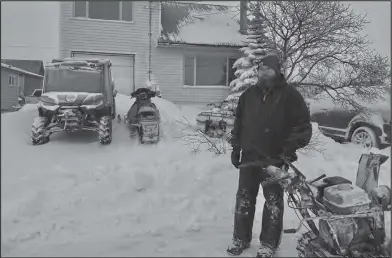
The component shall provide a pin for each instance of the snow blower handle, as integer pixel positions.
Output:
(288, 163)
(284, 159)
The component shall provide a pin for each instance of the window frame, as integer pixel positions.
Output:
(227, 86)
(86, 17)
(15, 82)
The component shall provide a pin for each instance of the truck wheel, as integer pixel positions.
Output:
(105, 130)
(38, 131)
(365, 136)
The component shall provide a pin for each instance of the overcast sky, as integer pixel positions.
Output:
(29, 30)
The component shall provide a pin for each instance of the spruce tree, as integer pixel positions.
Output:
(258, 45)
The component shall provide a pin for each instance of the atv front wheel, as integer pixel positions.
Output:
(105, 130)
(38, 132)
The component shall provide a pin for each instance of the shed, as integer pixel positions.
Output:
(31, 83)
(13, 82)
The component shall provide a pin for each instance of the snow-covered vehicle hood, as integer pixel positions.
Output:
(216, 114)
(70, 98)
(323, 101)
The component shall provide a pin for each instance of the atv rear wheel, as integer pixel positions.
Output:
(105, 130)
(38, 132)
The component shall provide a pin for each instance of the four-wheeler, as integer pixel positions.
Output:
(350, 217)
(217, 121)
(143, 118)
(76, 95)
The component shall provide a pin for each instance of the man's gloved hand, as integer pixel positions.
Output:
(289, 154)
(235, 158)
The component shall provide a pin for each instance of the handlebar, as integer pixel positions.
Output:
(281, 177)
(269, 161)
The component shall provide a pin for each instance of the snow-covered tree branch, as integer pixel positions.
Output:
(198, 141)
(320, 45)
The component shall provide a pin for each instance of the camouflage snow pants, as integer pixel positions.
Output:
(272, 222)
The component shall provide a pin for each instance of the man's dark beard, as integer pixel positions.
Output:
(266, 83)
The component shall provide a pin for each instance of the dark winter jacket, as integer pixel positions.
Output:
(276, 122)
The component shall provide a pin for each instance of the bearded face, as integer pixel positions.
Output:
(266, 76)
(266, 73)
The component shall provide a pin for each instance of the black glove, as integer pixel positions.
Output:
(235, 158)
(289, 154)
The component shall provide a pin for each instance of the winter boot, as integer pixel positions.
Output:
(265, 251)
(237, 247)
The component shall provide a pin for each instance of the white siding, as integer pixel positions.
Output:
(9, 94)
(119, 37)
(168, 69)
(111, 37)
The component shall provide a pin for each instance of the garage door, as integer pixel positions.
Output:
(122, 70)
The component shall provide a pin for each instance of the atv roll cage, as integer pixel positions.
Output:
(76, 95)
(75, 75)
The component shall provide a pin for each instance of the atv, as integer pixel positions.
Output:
(216, 121)
(76, 95)
(143, 118)
(350, 217)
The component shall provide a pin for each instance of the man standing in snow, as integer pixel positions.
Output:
(273, 117)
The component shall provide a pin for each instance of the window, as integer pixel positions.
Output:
(12, 80)
(37, 93)
(208, 71)
(104, 10)
(189, 70)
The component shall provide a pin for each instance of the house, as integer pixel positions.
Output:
(188, 49)
(13, 81)
(36, 67)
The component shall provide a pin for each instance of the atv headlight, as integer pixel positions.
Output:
(47, 101)
(93, 100)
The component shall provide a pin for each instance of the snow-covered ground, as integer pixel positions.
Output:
(74, 197)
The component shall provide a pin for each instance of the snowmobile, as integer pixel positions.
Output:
(143, 118)
(216, 121)
(75, 96)
(350, 217)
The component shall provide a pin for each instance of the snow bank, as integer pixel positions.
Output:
(75, 197)
(170, 113)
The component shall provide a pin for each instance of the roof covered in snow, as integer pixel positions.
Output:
(200, 24)
(33, 66)
(20, 70)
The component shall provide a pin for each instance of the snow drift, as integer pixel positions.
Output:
(73, 197)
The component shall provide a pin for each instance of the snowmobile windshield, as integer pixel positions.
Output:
(148, 114)
(74, 79)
